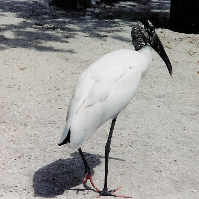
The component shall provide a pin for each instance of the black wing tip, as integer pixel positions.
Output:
(66, 140)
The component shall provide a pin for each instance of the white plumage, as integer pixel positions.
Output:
(103, 90)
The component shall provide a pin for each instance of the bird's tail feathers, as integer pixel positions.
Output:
(65, 136)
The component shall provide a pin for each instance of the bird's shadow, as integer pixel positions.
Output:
(64, 174)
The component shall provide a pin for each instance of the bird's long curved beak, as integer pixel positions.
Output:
(158, 47)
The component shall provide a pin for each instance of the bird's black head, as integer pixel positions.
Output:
(143, 34)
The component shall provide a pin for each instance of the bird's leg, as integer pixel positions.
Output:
(88, 175)
(107, 150)
(105, 191)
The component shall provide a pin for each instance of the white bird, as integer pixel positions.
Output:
(106, 88)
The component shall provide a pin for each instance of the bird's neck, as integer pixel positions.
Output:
(147, 53)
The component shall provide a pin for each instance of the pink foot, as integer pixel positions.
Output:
(89, 177)
(111, 193)
(103, 193)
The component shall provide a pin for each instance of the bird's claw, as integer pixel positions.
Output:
(114, 190)
(111, 193)
(103, 192)
(89, 177)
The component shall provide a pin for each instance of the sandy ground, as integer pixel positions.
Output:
(156, 143)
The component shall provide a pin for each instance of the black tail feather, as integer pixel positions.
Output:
(66, 140)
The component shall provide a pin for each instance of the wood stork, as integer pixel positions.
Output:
(106, 88)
